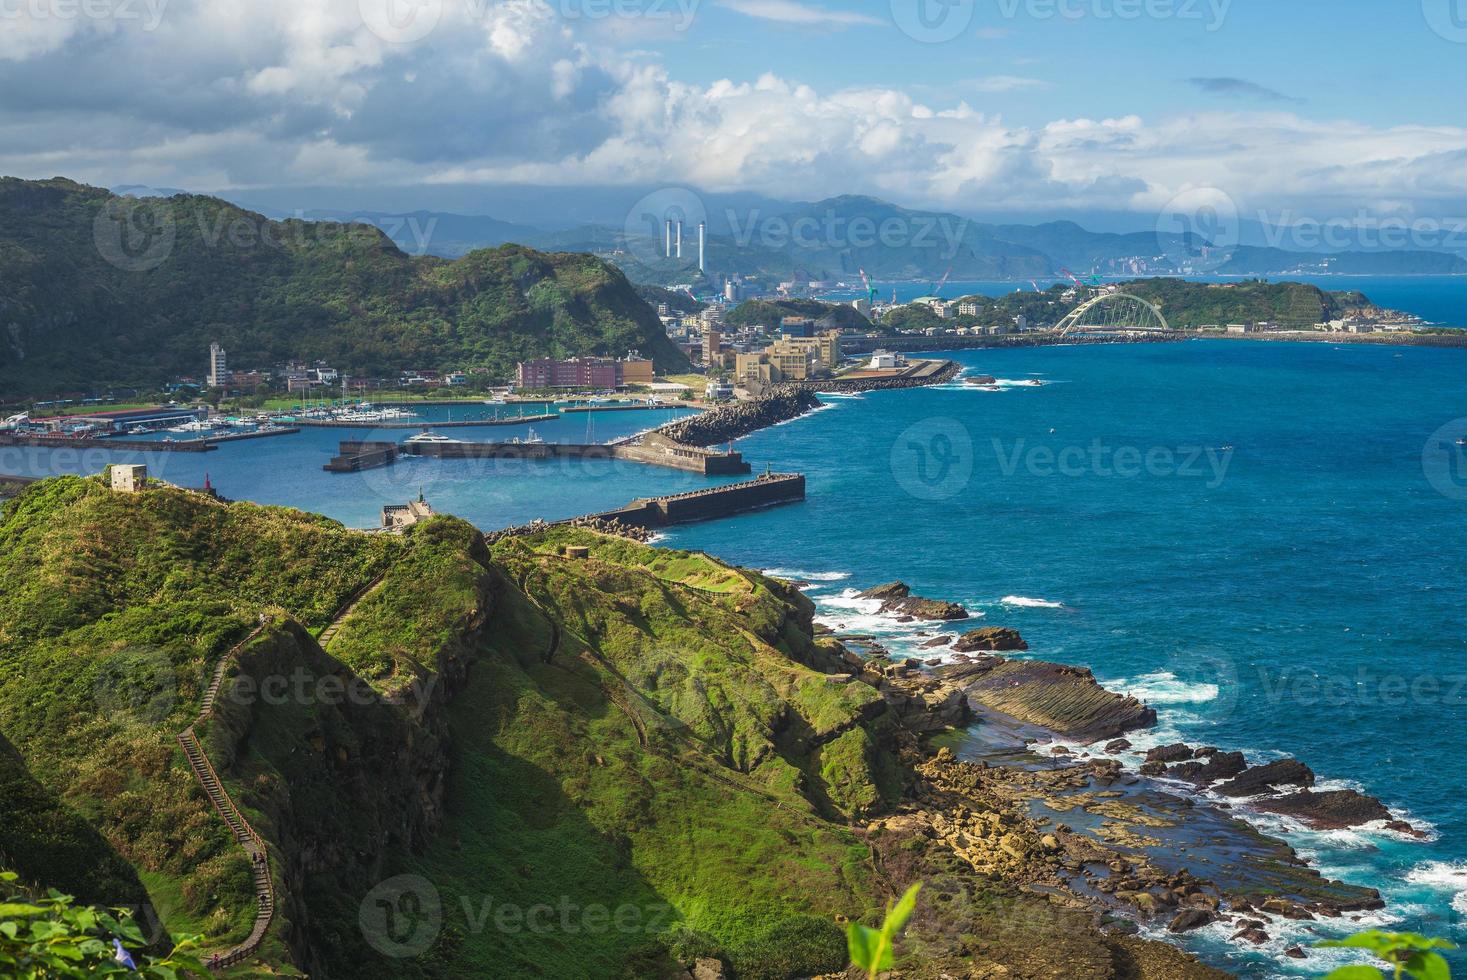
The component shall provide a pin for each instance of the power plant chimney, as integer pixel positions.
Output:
(679, 237)
(702, 245)
(667, 240)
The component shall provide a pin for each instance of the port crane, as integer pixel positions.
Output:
(870, 289)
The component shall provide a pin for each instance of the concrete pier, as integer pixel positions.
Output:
(771, 490)
(358, 456)
(652, 450)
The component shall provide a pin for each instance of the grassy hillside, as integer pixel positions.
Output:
(645, 712)
(102, 289)
(467, 760)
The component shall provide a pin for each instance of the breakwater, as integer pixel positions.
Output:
(115, 445)
(651, 450)
(1041, 338)
(358, 456)
(770, 490)
(928, 373)
(735, 421)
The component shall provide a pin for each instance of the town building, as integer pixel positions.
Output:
(585, 372)
(218, 376)
(712, 348)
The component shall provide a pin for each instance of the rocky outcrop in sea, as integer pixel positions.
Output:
(896, 599)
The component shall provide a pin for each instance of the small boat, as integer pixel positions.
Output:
(430, 438)
(530, 438)
(1462, 442)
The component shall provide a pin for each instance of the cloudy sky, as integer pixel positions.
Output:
(1320, 108)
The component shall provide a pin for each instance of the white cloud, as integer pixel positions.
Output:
(791, 12)
(298, 92)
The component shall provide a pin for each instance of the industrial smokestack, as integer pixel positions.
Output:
(680, 238)
(667, 239)
(702, 245)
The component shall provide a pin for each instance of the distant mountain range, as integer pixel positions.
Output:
(836, 238)
(95, 288)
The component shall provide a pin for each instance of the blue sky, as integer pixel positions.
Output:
(1343, 111)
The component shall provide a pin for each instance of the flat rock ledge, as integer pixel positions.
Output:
(1066, 700)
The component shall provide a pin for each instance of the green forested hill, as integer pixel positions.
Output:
(1195, 304)
(100, 289)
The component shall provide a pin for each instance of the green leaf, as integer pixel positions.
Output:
(16, 910)
(1356, 973)
(898, 916)
(865, 948)
(1429, 966)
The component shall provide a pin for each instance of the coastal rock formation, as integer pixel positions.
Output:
(1065, 699)
(990, 638)
(1177, 752)
(1263, 779)
(735, 421)
(897, 599)
(1334, 810)
(1218, 765)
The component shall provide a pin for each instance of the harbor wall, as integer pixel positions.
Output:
(712, 503)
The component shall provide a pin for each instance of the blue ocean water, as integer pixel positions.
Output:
(1263, 540)
(1292, 588)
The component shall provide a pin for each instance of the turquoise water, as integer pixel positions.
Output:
(1265, 541)
(1299, 594)
(1438, 299)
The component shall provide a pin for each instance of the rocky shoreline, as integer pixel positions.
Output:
(1012, 815)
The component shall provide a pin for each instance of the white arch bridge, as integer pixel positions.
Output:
(1114, 313)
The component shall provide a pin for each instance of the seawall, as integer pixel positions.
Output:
(770, 490)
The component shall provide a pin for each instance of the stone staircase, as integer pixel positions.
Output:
(244, 834)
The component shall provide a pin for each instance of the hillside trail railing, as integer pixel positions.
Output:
(244, 834)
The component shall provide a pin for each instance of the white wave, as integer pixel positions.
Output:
(1026, 602)
(1447, 876)
(1164, 687)
(800, 575)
